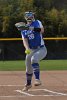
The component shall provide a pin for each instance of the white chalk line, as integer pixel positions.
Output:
(27, 94)
(49, 91)
(55, 92)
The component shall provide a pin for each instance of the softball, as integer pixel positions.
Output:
(27, 51)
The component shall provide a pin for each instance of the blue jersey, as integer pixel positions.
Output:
(34, 38)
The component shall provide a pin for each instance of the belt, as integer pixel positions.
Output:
(37, 47)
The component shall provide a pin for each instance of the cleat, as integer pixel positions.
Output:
(27, 87)
(37, 82)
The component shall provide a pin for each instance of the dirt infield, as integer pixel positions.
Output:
(54, 86)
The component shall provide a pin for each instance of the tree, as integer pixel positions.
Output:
(63, 23)
(53, 20)
(44, 4)
(5, 26)
(25, 5)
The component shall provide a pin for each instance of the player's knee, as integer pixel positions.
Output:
(34, 63)
(33, 60)
(45, 52)
(28, 57)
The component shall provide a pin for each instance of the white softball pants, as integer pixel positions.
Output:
(35, 56)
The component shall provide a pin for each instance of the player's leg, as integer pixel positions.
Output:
(37, 56)
(29, 72)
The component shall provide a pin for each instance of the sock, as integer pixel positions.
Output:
(36, 70)
(28, 78)
(37, 74)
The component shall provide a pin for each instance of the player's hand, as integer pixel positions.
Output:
(28, 51)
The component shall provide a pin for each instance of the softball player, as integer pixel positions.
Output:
(34, 48)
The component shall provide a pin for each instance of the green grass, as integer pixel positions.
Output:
(44, 65)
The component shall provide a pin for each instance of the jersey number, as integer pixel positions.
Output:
(31, 36)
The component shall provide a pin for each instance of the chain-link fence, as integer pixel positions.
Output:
(14, 49)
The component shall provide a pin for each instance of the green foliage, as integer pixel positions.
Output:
(5, 24)
(44, 4)
(63, 27)
(63, 23)
(24, 5)
(53, 15)
(53, 19)
(57, 22)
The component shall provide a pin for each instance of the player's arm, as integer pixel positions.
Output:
(42, 30)
(39, 28)
(25, 43)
